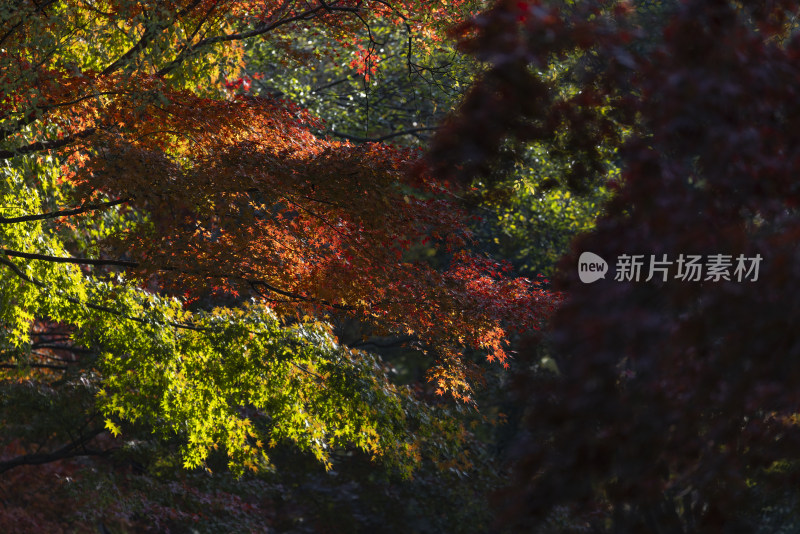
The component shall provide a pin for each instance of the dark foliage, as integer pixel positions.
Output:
(674, 399)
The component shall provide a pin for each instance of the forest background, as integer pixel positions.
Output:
(286, 266)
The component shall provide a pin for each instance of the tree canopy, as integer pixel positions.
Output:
(222, 225)
(176, 248)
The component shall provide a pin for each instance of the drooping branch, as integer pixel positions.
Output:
(16, 270)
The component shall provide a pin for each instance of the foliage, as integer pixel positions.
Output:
(252, 163)
(529, 219)
(174, 252)
(673, 399)
(117, 494)
(229, 378)
(402, 99)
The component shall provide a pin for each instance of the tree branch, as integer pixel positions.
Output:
(149, 34)
(63, 213)
(57, 259)
(385, 343)
(254, 284)
(44, 145)
(70, 450)
(39, 8)
(32, 366)
(383, 137)
(91, 305)
(258, 30)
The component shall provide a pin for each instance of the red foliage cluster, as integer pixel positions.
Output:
(242, 195)
(257, 203)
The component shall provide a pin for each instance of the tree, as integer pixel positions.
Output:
(125, 153)
(401, 100)
(675, 401)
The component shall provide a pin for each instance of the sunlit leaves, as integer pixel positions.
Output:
(243, 381)
(228, 197)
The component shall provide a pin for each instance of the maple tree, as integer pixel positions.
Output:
(140, 193)
(674, 405)
(403, 101)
